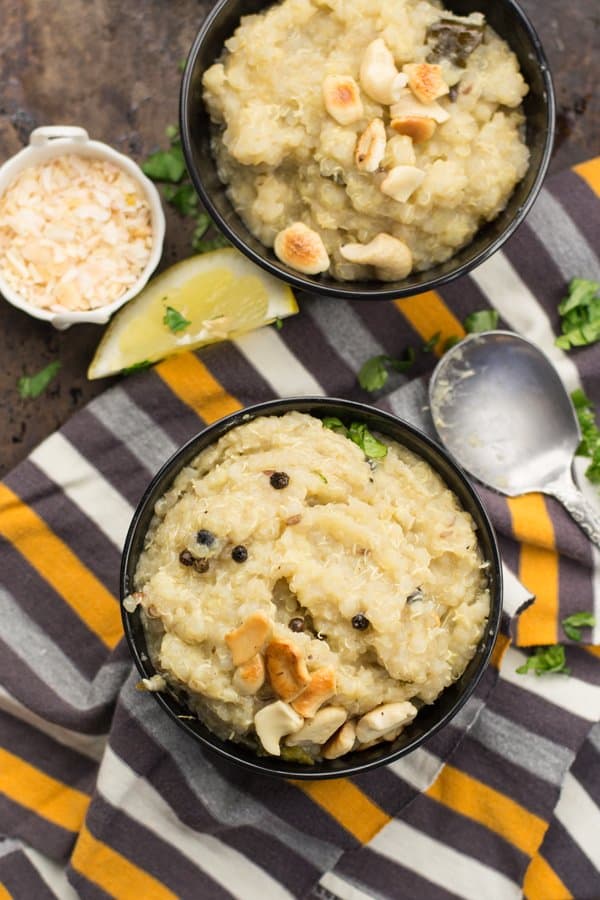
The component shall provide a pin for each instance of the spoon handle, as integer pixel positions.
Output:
(567, 493)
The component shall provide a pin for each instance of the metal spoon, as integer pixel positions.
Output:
(500, 408)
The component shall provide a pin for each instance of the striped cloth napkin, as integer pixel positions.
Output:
(101, 795)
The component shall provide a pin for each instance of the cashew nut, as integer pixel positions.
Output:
(384, 251)
(250, 677)
(273, 722)
(286, 669)
(301, 248)
(399, 152)
(320, 688)
(248, 639)
(379, 77)
(370, 146)
(408, 105)
(342, 99)
(401, 182)
(416, 127)
(341, 742)
(425, 81)
(383, 719)
(320, 728)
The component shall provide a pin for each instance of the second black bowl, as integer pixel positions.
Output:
(430, 718)
(508, 20)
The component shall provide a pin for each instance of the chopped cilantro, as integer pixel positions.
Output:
(31, 386)
(451, 341)
(172, 132)
(574, 623)
(216, 243)
(136, 367)
(481, 320)
(432, 343)
(374, 372)
(165, 165)
(278, 323)
(580, 314)
(321, 476)
(590, 434)
(370, 446)
(174, 321)
(546, 660)
(182, 64)
(335, 424)
(184, 198)
(298, 755)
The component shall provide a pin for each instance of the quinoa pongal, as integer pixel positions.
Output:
(306, 594)
(366, 139)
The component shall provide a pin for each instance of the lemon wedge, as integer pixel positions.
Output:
(201, 300)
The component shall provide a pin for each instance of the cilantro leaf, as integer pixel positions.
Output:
(373, 373)
(370, 446)
(590, 434)
(31, 386)
(545, 661)
(321, 476)
(481, 320)
(165, 165)
(335, 424)
(432, 343)
(136, 367)
(580, 314)
(204, 246)
(278, 323)
(174, 321)
(575, 622)
(184, 198)
(451, 342)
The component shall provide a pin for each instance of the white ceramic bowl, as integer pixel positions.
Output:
(47, 143)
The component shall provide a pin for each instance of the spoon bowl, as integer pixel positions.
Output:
(500, 408)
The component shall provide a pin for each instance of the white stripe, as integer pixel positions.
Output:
(342, 888)
(133, 795)
(419, 768)
(90, 745)
(52, 873)
(265, 350)
(84, 485)
(576, 696)
(578, 813)
(509, 294)
(462, 875)
(516, 594)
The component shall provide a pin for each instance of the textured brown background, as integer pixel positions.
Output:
(112, 67)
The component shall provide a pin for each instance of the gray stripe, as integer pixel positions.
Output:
(594, 737)
(561, 238)
(344, 331)
(541, 757)
(411, 402)
(223, 800)
(49, 663)
(134, 428)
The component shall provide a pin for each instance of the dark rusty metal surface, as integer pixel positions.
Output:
(112, 66)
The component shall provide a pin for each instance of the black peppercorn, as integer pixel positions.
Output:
(239, 554)
(279, 480)
(296, 624)
(205, 537)
(415, 595)
(186, 558)
(360, 622)
(201, 565)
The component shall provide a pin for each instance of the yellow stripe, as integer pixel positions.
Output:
(542, 883)
(113, 873)
(500, 647)
(538, 569)
(489, 807)
(347, 805)
(594, 649)
(191, 381)
(428, 314)
(4, 895)
(590, 172)
(59, 566)
(47, 797)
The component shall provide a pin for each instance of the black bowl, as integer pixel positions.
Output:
(430, 718)
(511, 23)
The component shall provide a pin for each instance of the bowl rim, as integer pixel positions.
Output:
(207, 436)
(341, 289)
(48, 142)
